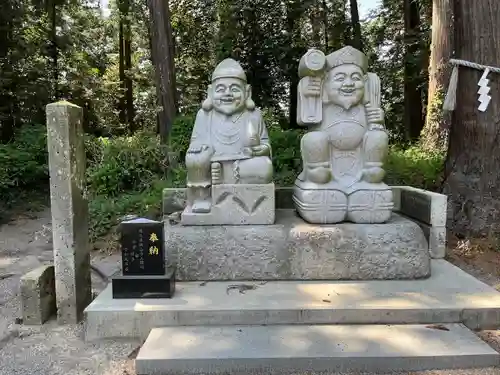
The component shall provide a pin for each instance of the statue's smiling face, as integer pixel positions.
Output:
(229, 95)
(346, 85)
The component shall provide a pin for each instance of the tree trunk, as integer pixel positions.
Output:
(127, 63)
(54, 49)
(161, 35)
(122, 106)
(473, 163)
(357, 41)
(434, 134)
(413, 109)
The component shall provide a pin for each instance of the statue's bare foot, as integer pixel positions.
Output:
(373, 175)
(201, 207)
(216, 173)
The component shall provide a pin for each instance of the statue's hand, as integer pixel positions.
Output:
(197, 149)
(374, 115)
(260, 150)
(313, 87)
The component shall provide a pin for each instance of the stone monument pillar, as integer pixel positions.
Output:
(229, 167)
(69, 208)
(343, 154)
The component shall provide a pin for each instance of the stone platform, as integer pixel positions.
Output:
(292, 249)
(311, 349)
(450, 295)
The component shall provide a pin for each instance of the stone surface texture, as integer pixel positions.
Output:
(38, 295)
(292, 249)
(310, 349)
(65, 140)
(236, 204)
(229, 147)
(427, 209)
(174, 200)
(343, 153)
(450, 295)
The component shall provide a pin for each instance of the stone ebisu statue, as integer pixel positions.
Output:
(229, 167)
(343, 153)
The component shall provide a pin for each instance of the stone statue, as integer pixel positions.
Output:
(229, 167)
(343, 154)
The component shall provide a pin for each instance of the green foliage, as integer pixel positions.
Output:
(23, 162)
(124, 164)
(105, 212)
(415, 167)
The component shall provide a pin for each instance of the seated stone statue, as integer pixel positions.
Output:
(229, 167)
(343, 154)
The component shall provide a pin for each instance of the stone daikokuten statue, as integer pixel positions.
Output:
(342, 155)
(229, 167)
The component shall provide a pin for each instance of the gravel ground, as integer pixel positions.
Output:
(60, 350)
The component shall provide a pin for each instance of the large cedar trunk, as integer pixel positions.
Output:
(473, 163)
(127, 56)
(413, 109)
(121, 66)
(162, 49)
(357, 41)
(434, 134)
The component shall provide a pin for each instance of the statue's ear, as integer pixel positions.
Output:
(249, 103)
(208, 103)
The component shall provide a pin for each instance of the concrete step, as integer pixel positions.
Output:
(449, 296)
(311, 348)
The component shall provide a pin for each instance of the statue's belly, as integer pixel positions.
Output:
(346, 135)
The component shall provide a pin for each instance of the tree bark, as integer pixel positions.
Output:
(473, 164)
(127, 63)
(413, 109)
(357, 41)
(162, 43)
(122, 107)
(437, 124)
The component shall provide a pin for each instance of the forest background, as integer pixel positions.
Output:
(101, 56)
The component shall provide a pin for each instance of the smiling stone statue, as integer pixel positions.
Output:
(229, 168)
(342, 177)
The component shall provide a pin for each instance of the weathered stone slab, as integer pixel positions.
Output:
(311, 349)
(450, 295)
(65, 141)
(236, 204)
(38, 295)
(293, 249)
(436, 237)
(423, 205)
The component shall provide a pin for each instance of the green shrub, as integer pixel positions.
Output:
(23, 162)
(415, 167)
(123, 164)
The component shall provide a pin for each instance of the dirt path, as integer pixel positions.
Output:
(54, 350)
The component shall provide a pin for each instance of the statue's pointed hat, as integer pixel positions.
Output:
(347, 55)
(229, 68)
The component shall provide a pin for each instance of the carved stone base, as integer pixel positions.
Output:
(236, 204)
(369, 204)
(292, 249)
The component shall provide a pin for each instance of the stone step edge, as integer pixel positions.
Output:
(312, 348)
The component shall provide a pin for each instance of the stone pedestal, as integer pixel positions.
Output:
(65, 143)
(292, 249)
(236, 204)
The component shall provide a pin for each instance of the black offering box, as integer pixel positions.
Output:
(143, 262)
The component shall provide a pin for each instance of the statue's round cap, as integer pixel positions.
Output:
(347, 55)
(229, 68)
